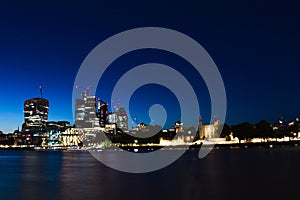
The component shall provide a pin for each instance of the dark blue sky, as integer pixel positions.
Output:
(255, 45)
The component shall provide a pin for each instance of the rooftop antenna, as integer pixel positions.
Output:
(41, 91)
(87, 89)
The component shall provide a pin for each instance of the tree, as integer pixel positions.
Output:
(226, 131)
(243, 131)
(263, 129)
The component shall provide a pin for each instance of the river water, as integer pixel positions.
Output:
(244, 173)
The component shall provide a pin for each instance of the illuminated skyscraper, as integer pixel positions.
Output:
(122, 119)
(90, 116)
(102, 113)
(79, 112)
(112, 118)
(85, 112)
(36, 112)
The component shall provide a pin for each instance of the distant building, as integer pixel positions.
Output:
(87, 116)
(90, 116)
(59, 125)
(110, 128)
(201, 130)
(79, 112)
(178, 126)
(178, 134)
(141, 128)
(112, 118)
(35, 113)
(122, 119)
(102, 113)
(209, 131)
(61, 137)
(85, 112)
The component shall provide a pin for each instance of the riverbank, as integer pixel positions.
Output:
(154, 147)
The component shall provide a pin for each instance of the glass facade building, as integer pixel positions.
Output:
(36, 112)
(85, 112)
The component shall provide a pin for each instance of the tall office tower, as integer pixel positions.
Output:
(79, 113)
(36, 112)
(112, 118)
(90, 116)
(122, 119)
(85, 112)
(102, 113)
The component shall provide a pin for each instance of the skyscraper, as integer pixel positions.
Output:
(79, 112)
(102, 113)
(85, 112)
(122, 119)
(112, 118)
(36, 112)
(90, 115)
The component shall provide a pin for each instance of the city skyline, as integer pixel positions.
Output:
(256, 53)
(108, 116)
(154, 99)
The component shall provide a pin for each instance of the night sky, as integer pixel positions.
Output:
(255, 44)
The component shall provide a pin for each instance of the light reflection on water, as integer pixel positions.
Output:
(253, 173)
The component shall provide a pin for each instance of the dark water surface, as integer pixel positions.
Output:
(253, 173)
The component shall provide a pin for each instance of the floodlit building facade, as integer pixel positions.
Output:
(209, 131)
